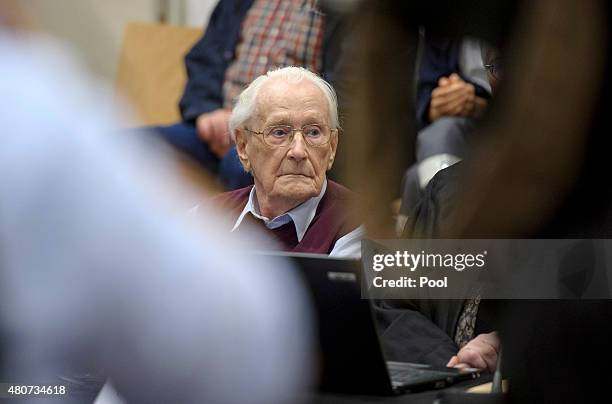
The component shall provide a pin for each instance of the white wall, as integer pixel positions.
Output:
(197, 12)
(94, 28)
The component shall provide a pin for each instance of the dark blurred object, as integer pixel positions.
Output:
(378, 117)
(492, 21)
(458, 397)
(542, 172)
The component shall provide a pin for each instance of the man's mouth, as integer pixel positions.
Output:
(294, 175)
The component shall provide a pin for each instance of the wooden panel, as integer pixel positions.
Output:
(151, 72)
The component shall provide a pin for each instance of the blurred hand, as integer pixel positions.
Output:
(480, 353)
(213, 129)
(455, 97)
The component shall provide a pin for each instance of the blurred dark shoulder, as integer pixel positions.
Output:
(436, 204)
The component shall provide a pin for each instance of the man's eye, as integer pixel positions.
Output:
(279, 132)
(312, 131)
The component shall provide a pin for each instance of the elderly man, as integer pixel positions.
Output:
(285, 125)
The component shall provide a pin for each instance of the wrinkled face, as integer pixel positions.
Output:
(296, 172)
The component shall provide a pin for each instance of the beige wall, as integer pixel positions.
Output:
(94, 28)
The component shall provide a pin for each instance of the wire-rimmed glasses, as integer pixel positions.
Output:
(282, 135)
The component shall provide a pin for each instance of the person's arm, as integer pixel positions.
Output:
(213, 128)
(439, 59)
(334, 52)
(410, 336)
(207, 61)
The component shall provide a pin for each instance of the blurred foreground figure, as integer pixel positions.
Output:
(96, 275)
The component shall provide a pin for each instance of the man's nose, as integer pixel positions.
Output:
(298, 147)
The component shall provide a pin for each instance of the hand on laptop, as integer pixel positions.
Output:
(480, 353)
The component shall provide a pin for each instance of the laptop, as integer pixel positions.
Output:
(351, 353)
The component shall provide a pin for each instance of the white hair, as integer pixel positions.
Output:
(245, 107)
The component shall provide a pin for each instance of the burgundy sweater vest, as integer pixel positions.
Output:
(332, 220)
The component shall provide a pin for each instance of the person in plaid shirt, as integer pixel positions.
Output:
(244, 39)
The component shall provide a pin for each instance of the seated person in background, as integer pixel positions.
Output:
(244, 39)
(285, 125)
(452, 91)
(437, 199)
(474, 332)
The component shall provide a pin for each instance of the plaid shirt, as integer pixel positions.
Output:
(275, 33)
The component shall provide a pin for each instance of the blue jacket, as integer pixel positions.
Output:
(207, 61)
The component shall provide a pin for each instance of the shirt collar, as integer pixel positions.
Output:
(301, 215)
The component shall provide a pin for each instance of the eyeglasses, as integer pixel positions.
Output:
(282, 135)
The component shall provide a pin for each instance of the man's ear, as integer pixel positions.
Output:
(241, 146)
(333, 143)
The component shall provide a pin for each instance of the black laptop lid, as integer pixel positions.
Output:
(351, 356)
